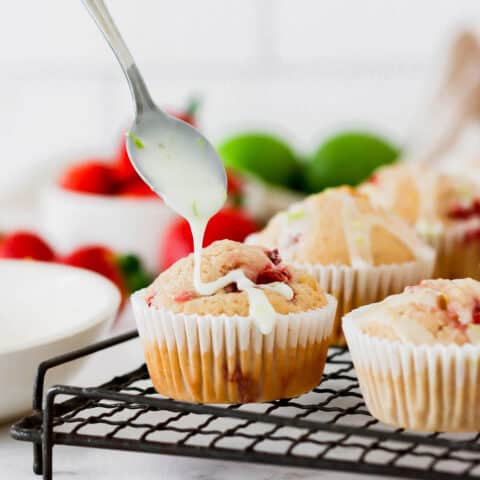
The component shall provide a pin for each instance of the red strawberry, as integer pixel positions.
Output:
(188, 115)
(231, 223)
(123, 167)
(136, 188)
(98, 259)
(234, 188)
(91, 177)
(25, 245)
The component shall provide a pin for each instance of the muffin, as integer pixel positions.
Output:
(358, 253)
(417, 356)
(443, 208)
(212, 349)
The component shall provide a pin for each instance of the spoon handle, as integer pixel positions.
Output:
(98, 10)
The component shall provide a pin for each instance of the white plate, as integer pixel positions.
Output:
(46, 309)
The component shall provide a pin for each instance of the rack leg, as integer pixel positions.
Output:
(37, 458)
(47, 444)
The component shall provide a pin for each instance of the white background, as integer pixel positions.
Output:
(299, 67)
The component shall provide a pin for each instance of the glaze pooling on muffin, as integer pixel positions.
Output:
(286, 289)
(341, 227)
(260, 308)
(435, 311)
(425, 198)
(358, 233)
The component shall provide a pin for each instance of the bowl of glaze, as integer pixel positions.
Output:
(125, 224)
(46, 309)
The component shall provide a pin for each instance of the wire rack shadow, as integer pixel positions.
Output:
(328, 428)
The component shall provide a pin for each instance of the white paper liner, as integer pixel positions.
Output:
(456, 256)
(419, 387)
(354, 287)
(222, 359)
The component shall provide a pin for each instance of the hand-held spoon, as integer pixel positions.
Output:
(171, 156)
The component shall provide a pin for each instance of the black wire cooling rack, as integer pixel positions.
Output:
(328, 428)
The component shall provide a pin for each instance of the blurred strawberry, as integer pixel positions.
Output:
(98, 259)
(125, 271)
(136, 188)
(234, 188)
(92, 176)
(229, 223)
(25, 245)
(189, 114)
(122, 165)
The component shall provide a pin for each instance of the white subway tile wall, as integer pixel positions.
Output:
(299, 67)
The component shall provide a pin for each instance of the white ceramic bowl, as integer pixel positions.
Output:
(125, 224)
(46, 309)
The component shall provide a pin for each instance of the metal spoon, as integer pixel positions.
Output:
(176, 140)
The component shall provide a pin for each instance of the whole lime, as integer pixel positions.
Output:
(347, 158)
(263, 155)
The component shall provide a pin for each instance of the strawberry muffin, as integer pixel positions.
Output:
(417, 356)
(212, 349)
(443, 208)
(358, 253)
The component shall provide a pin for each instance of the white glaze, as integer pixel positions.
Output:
(260, 308)
(459, 294)
(358, 228)
(197, 194)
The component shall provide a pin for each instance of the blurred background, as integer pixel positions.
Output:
(302, 68)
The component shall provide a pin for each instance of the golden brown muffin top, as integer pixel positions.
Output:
(422, 196)
(433, 312)
(340, 227)
(173, 289)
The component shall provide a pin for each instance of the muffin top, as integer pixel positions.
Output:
(422, 196)
(433, 312)
(173, 289)
(340, 227)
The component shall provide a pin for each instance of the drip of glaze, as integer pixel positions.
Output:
(261, 310)
(426, 184)
(196, 194)
(358, 233)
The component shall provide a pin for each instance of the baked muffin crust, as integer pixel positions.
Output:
(339, 227)
(433, 312)
(422, 196)
(173, 290)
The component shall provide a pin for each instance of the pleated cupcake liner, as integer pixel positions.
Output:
(225, 359)
(419, 387)
(354, 287)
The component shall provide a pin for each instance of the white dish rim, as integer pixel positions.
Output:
(93, 320)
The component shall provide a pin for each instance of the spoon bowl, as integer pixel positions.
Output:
(162, 148)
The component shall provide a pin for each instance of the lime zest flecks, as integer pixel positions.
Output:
(291, 216)
(360, 239)
(195, 209)
(357, 224)
(136, 140)
(201, 142)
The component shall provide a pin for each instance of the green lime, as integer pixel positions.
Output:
(347, 158)
(262, 155)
